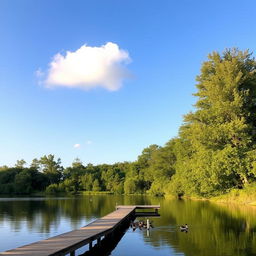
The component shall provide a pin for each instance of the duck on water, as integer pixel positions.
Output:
(184, 227)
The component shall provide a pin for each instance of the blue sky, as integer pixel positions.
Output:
(167, 41)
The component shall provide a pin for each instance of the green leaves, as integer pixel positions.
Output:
(221, 130)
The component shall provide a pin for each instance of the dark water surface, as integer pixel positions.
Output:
(214, 229)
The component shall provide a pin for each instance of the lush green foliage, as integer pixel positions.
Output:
(214, 152)
(217, 141)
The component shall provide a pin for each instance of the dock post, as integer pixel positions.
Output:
(148, 226)
(98, 241)
(72, 253)
(90, 245)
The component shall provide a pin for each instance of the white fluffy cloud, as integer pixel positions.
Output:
(77, 145)
(89, 67)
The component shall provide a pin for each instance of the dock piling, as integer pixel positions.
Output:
(90, 245)
(148, 225)
(98, 241)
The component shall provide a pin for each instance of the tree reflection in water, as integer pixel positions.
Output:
(214, 229)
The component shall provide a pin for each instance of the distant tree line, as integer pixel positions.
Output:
(47, 174)
(214, 152)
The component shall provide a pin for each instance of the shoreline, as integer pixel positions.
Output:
(246, 196)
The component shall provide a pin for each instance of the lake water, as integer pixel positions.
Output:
(214, 229)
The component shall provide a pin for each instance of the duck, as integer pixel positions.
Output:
(184, 227)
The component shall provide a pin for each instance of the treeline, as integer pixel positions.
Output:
(214, 152)
(47, 174)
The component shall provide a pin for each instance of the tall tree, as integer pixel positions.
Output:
(221, 132)
(52, 168)
(35, 164)
(77, 163)
(20, 163)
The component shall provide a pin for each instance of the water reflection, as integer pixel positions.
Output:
(214, 229)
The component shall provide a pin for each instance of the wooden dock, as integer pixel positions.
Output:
(69, 242)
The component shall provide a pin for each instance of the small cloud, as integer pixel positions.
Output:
(39, 73)
(77, 146)
(88, 142)
(89, 67)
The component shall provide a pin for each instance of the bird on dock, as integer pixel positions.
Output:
(184, 227)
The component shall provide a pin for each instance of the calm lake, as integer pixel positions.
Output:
(214, 229)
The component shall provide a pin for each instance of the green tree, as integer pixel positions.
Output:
(52, 169)
(96, 185)
(20, 163)
(146, 156)
(130, 186)
(113, 178)
(23, 182)
(52, 189)
(35, 164)
(77, 163)
(220, 133)
(87, 182)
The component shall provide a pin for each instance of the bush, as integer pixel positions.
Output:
(52, 189)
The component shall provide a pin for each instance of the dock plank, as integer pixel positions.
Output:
(138, 206)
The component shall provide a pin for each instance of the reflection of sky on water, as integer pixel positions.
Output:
(138, 242)
(20, 225)
(12, 236)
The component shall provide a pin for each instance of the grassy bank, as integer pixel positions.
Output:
(95, 192)
(247, 195)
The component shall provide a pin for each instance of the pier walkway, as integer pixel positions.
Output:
(69, 242)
